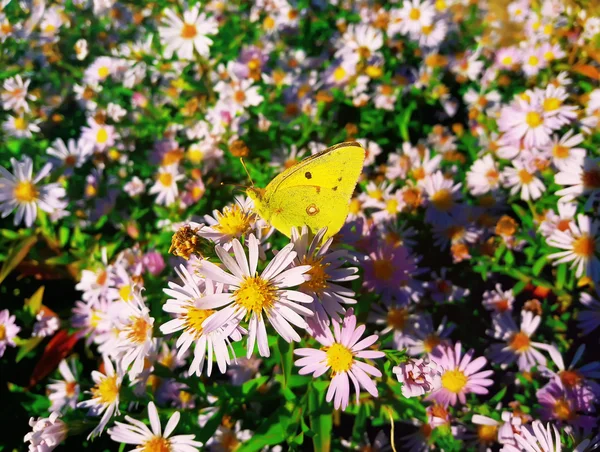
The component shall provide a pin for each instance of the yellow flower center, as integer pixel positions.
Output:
(383, 269)
(570, 378)
(318, 275)
(25, 191)
(268, 23)
(239, 96)
(374, 71)
(376, 194)
(20, 123)
(364, 52)
(184, 397)
(418, 173)
(591, 178)
(339, 74)
(454, 380)
(533, 119)
(396, 318)
(507, 60)
(233, 221)
(534, 60)
(166, 179)
(137, 332)
(442, 200)
(560, 152)
(551, 103)
(549, 55)
(414, 14)
(562, 410)
(255, 294)
(519, 342)
(101, 136)
(157, 444)
(194, 318)
(70, 388)
(2, 332)
(584, 246)
(103, 72)
(487, 433)
(339, 358)
(431, 342)
(228, 440)
(392, 206)
(195, 155)
(525, 176)
(189, 31)
(355, 206)
(107, 390)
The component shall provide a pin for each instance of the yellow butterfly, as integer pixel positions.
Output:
(316, 192)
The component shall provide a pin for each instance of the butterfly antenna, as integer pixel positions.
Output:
(247, 172)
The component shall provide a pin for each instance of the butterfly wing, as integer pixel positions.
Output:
(336, 167)
(312, 206)
(317, 191)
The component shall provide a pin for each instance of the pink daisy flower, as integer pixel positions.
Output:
(459, 375)
(339, 354)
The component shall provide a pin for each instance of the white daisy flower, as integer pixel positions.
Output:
(100, 136)
(135, 334)
(251, 295)
(521, 178)
(166, 185)
(65, 392)
(153, 440)
(20, 126)
(412, 17)
(580, 180)
(190, 318)
(71, 155)
(105, 395)
(23, 192)
(8, 330)
(46, 434)
(484, 176)
(581, 246)
(564, 151)
(183, 36)
(14, 95)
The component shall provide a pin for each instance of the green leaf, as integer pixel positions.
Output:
(561, 276)
(272, 431)
(539, 265)
(320, 416)
(499, 395)
(34, 303)
(26, 346)
(286, 359)
(16, 255)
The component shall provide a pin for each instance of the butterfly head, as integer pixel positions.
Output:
(257, 195)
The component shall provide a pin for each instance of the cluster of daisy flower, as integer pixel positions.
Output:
(457, 309)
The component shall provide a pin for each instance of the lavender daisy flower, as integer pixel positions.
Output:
(589, 319)
(418, 377)
(460, 375)
(325, 272)
(8, 331)
(340, 353)
(559, 405)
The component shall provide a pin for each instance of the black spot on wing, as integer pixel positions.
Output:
(308, 175)
(340, 179)
(335, 188)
